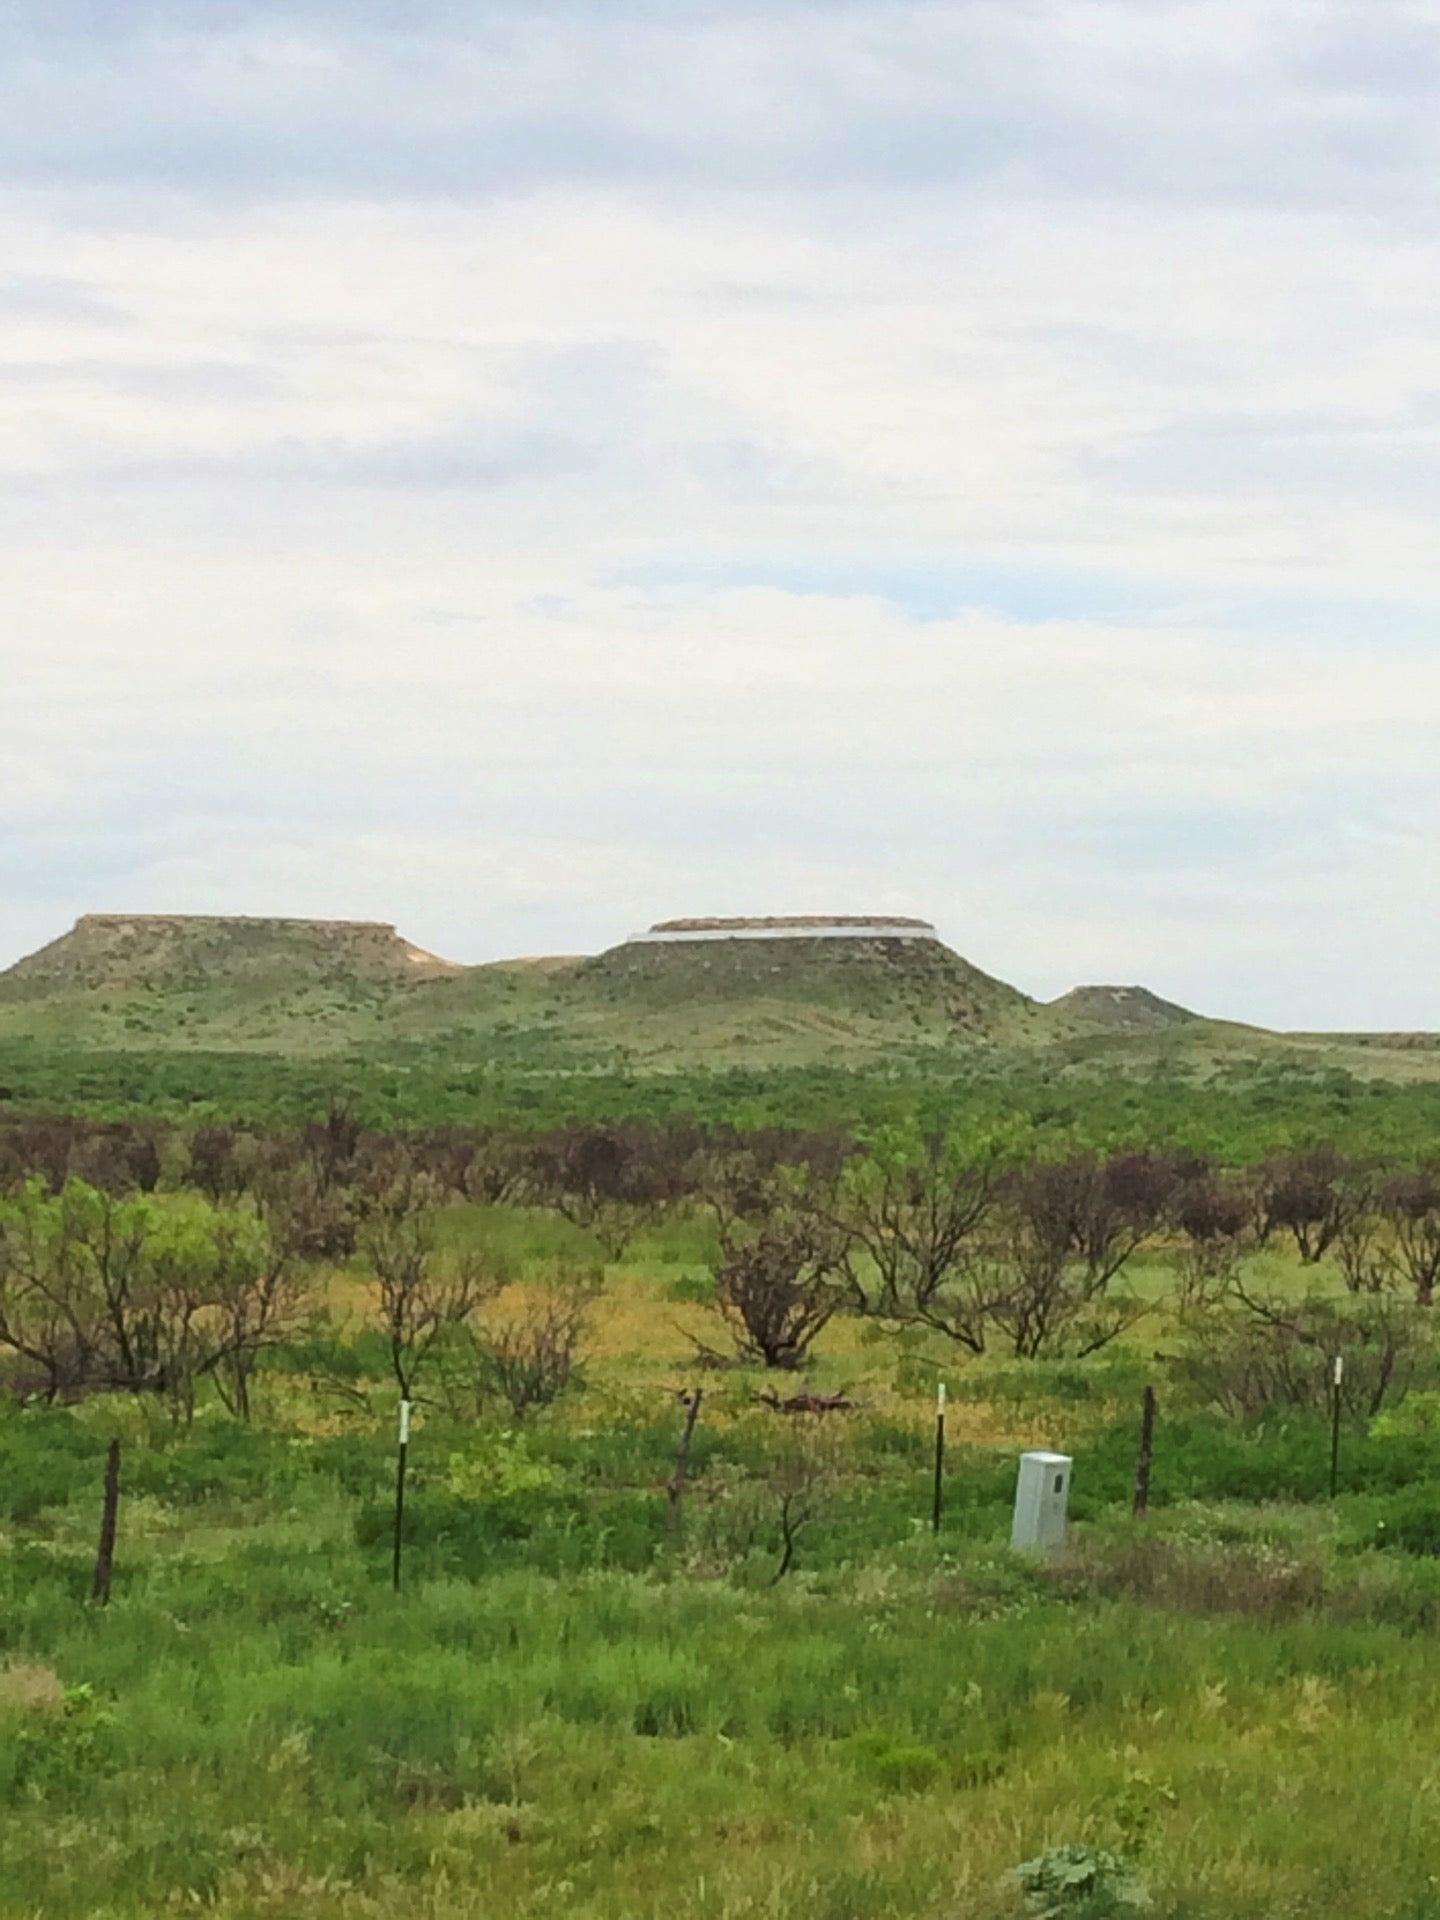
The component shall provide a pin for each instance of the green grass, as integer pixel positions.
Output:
(568, 1709)
(256, 1724)
(571, 1710)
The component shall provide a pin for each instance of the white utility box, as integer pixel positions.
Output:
(1042, 1493)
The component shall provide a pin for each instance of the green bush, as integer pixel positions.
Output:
(1411, 1522)
(1078, 1883)
(895, 1766)
(47, 1458)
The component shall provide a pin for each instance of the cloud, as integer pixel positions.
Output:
(549, 776)
(521, 472)
(52, 297)
(153, 380)
(1243, 102)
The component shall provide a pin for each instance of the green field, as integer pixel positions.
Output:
(574, 1705)
(779, 1692)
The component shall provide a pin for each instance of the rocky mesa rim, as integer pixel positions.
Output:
(793, 926)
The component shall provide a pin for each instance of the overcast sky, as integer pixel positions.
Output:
(525, 470)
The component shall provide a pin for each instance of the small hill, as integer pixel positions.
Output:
(127, 952)
(1121, 1009)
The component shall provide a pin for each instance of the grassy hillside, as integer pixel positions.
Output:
(186, 980)
(357, 991)
(311, 988)
(1125, 1009)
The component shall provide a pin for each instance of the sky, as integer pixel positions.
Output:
(526, 470)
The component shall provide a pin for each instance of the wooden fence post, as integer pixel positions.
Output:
(682, 1459)
(105, 1557)
(1147, 1445)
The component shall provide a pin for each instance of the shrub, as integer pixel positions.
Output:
(896, 1766)
(529, 1356)
(1193, 1577)
(1267, 1350)
(1411, 1523)
(1078, 1883)
(777, 1291)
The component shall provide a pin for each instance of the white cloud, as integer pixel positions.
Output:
(524, 471)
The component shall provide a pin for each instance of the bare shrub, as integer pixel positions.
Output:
(1362, 1254)
(945, 1236)
(37, 1147)
(801, 1480)
(1410, 1207)
(223, 1162)
(911, 1216)
(777, 1291)
(333, 1144)
(1216, 1215)
(1260, 1350)
(529, 1355)
(118, 1156)
(612, 1181)
(1065, 1232)
(778, 1279)
(819, 1156)
(424, 1293)
(488, 1165)
(118, 1159)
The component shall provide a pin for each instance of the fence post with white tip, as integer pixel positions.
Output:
(939, 1457)
(400, 1487)
(1337, 1376)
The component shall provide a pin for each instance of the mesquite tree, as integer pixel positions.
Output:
(1311, 1195)
(778, 1280)
(424, 1291)
(527, 1356)
(105, 1294)
(1410, 1206)
(912, 1215)
(1062, 1235)
(1214, 1214)
(612, 1181)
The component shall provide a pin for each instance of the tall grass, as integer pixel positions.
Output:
(269, 1729)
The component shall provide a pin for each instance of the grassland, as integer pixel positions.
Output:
(574, 1706)
(570, 1709)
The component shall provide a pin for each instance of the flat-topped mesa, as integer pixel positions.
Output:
(139, 926)
(805, 970)
(792, 926)
(124, 950)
